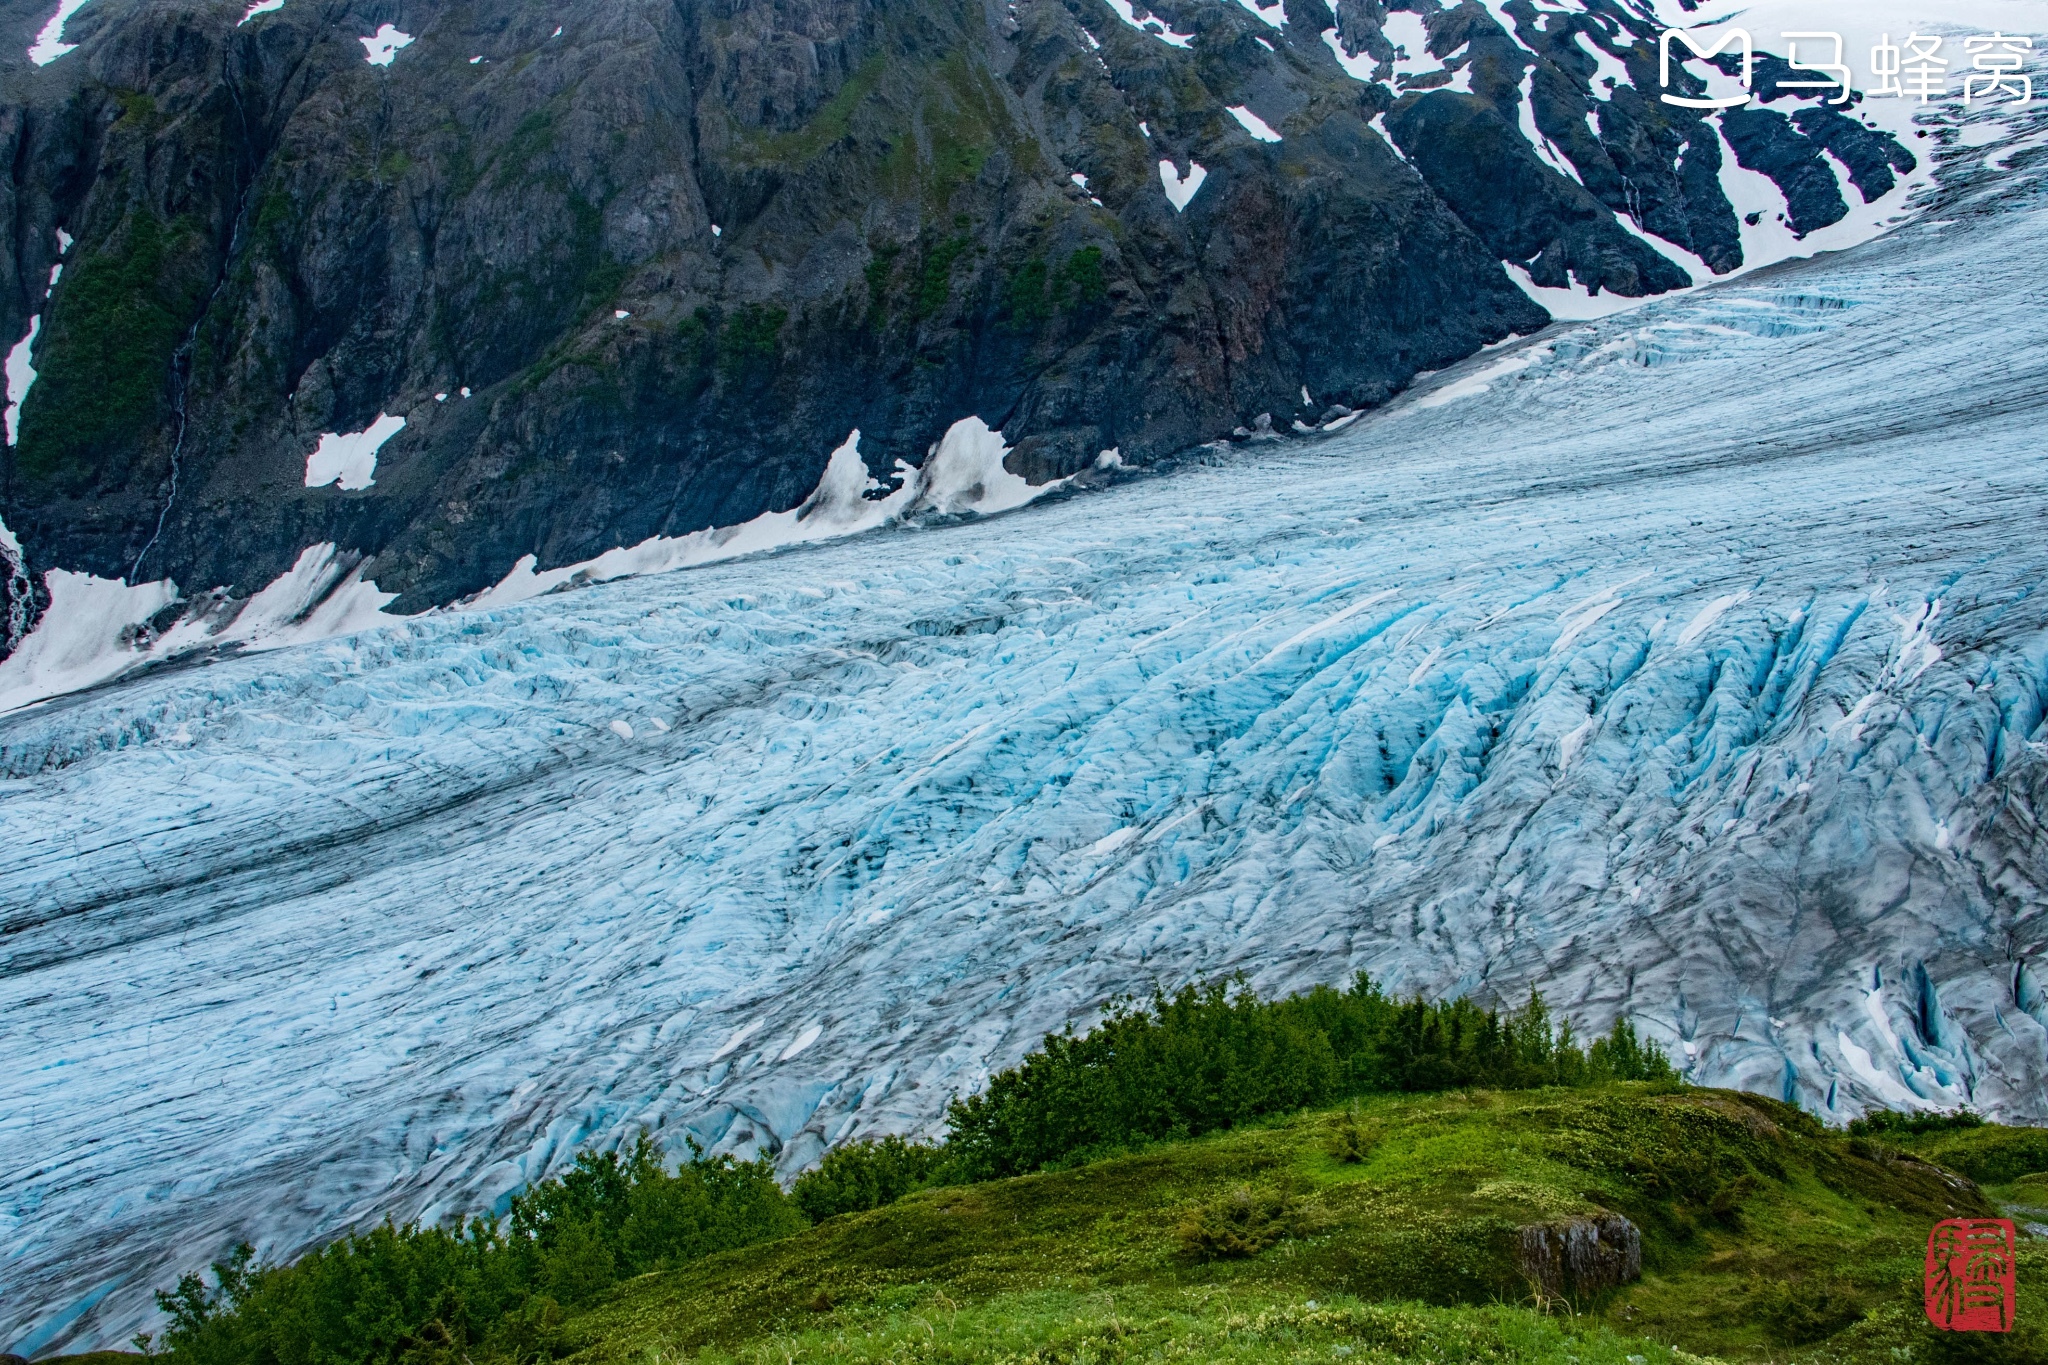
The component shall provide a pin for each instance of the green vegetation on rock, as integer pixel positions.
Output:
(106, 350)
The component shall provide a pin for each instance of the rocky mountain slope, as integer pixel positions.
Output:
(310, 296)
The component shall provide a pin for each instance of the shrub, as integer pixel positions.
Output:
(1891, 1123)
(865, 1175)
(1209, 1058)
(378, 1295)
(1348, 1141)
(1242, 1223)
(1801, 1314)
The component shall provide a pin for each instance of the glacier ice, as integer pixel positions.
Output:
(1693, 666)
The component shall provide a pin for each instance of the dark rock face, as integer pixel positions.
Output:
(813, 215)
(1578, 1258)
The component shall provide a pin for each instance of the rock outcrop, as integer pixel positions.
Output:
(1579, 1257)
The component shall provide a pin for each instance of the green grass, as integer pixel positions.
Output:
(1388, 1236)
(1765, 1238)
(1991, 1154)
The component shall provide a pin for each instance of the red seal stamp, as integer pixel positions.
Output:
(1970, 1275)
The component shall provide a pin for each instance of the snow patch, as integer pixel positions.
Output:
(260, 7)
(383, 45)
(86, 636)
(1180, 190)
(96, 629)
(1704, 620)
(1274, 15)
(1613, 72)
(740, 1035)
(49, 44)
(21, 375)
(964, 474)
(1150, 27)
(1360, 67)
(1412, 59)
(1573, 305)
(1479, 382)
(350, 459)
(1253, 124)
(803, 1040)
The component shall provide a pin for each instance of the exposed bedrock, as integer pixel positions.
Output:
(636, 268)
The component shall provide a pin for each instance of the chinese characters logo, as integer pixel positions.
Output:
(1970, 1275)
(1916, 71)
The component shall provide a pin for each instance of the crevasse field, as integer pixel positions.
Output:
(1690, 664)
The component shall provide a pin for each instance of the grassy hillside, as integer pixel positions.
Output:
(1209, 1176)
(1764, 1237)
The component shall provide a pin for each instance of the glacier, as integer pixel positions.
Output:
(1689, 664)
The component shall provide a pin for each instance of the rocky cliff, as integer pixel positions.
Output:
(586, 273)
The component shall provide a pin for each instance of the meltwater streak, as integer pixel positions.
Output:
(1694, 670)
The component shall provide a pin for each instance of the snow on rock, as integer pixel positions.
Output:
(349, 460)
(1546, 150)
(21, 375)
(86, 636)
(260, 7)
(1180, 190)
(1573, 305)
(1412, 60)
(96, 629)
(49, 44)
(1150, 27)
(1360, 67)
(1612, 73)
(381, 46)
(1253, 124)
(1273, 15)
(964, 474)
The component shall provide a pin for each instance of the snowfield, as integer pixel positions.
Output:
(1690, 664)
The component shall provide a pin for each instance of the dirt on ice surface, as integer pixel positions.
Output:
(1690, 663)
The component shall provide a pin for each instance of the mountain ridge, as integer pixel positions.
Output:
(630, 273)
